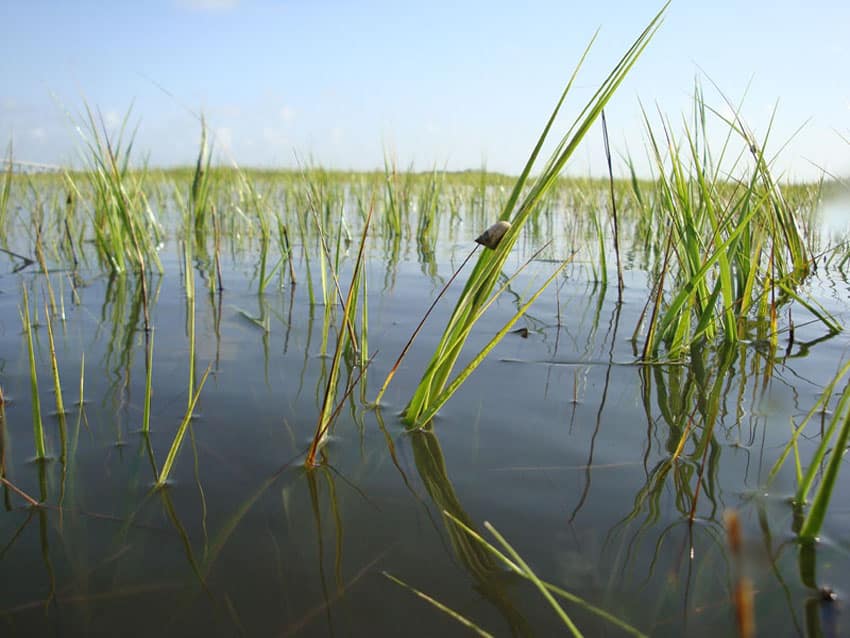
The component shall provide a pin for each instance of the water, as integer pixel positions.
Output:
(558, 441)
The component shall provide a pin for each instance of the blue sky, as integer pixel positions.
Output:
(456, 84)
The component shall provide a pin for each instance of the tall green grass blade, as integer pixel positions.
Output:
(817, 513)
(54, 365)
(37, 425)
(486, 272)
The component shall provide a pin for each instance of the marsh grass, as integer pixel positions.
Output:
(724, 252)
(521, 206)
(146, 410)
(126, 232)
(734, 248)
(5, 192)
(345, 337)
(54, 366)
(831, 448)
(200, 194)
(37, 424)
(512, 560)
(168, 464)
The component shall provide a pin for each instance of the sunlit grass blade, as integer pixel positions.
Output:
(518, 211)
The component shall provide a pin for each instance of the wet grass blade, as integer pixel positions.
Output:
(517, 568)
(37, 425)
(181, 432)
(54, 365)
(463, 620)
(817, 513)
(534, 579)
(146, 414)
(806, 482)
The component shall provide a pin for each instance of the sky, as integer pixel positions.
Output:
(456, 85)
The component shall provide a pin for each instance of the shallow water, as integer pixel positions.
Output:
(558, 440)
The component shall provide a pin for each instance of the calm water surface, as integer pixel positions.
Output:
(558, 441)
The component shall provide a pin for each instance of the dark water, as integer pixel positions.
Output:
(557, 441)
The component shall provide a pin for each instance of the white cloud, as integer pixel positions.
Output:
(208, 5)
(38, 134)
